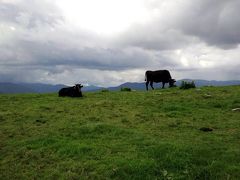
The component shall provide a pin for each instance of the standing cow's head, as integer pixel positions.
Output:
(171, 82)
(78, 87)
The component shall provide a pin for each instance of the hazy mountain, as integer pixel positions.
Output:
(198, 83)
(91, 88)
(14, 88)
(11, 88)
(48, 88)
(42, 88)
(132, 85)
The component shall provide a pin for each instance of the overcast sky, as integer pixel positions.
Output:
(108, 42)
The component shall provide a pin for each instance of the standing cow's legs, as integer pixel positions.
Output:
(151, 84)
(163, 84)
(147, 85)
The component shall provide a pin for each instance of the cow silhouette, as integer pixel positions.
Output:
(159, 76)
(74, 91)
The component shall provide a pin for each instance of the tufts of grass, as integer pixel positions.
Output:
(104, 90)
(187, 85)
(126, 89)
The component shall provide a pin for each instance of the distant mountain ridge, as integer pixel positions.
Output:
(198, 83)
(11, 88)
(14, 88)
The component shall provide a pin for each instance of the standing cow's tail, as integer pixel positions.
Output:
(146, 76)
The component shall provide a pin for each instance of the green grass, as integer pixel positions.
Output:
(121, 135)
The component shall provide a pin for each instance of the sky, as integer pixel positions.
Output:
(109, 42)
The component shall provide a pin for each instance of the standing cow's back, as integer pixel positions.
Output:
(158, 76)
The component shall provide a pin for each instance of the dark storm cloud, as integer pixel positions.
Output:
(154, 38)
(216, 22)
(183, 23)
(51, 54)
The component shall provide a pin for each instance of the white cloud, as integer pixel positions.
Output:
(105, 17)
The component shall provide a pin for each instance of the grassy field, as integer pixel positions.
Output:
(121, 135)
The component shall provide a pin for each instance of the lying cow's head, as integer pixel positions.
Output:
(171, 82)
(78, 87)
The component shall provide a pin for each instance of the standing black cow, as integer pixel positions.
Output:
(159, 76)
(74, 91)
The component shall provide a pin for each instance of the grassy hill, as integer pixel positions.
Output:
(121, 135)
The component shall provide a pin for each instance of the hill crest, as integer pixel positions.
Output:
(11, 88)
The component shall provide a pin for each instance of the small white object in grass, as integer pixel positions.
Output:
(236, 109)
(207, 95)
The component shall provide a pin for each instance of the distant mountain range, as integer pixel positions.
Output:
(198, 83)
(12, 88)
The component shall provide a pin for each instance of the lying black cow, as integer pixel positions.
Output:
(159, 76)
(74, 91)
